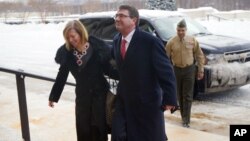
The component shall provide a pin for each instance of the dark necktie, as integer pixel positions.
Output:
(123, 48)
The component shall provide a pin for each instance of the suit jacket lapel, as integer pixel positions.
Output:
(132, 45)
(117, 44)
(119, 49)
(130, 50)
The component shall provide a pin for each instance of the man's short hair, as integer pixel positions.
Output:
(182, 24)
(133, 12)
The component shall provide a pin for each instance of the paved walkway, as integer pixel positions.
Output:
(58, 124)
(178, 133)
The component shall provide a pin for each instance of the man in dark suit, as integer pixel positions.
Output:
(147, 84)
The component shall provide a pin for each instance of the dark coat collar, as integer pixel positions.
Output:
(131, 48)
(98, 45)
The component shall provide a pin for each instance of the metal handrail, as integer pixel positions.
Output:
(20, 75)
(216, 16)
(22, 72)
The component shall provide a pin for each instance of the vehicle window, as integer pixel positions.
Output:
(90, 24)
(146, 26)
(166, 27)
(103, 28)
(107, 29)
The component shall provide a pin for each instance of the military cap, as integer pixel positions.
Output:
(182, 24)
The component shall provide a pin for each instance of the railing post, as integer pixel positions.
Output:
(23, 107)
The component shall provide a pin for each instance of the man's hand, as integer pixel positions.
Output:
(171, 108)
(51, 104)
(200, 75)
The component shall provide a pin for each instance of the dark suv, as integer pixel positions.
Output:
(227, 58)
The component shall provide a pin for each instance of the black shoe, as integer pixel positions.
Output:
(186, 125)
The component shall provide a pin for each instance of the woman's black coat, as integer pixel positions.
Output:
(91, 85)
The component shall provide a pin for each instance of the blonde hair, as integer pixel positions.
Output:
(79, 28)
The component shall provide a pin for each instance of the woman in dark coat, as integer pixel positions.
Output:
(87, 58)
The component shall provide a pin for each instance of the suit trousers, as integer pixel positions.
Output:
(185, 78)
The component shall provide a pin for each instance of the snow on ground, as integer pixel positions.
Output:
(31, 47)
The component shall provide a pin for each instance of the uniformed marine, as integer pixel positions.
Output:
(186, 57)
